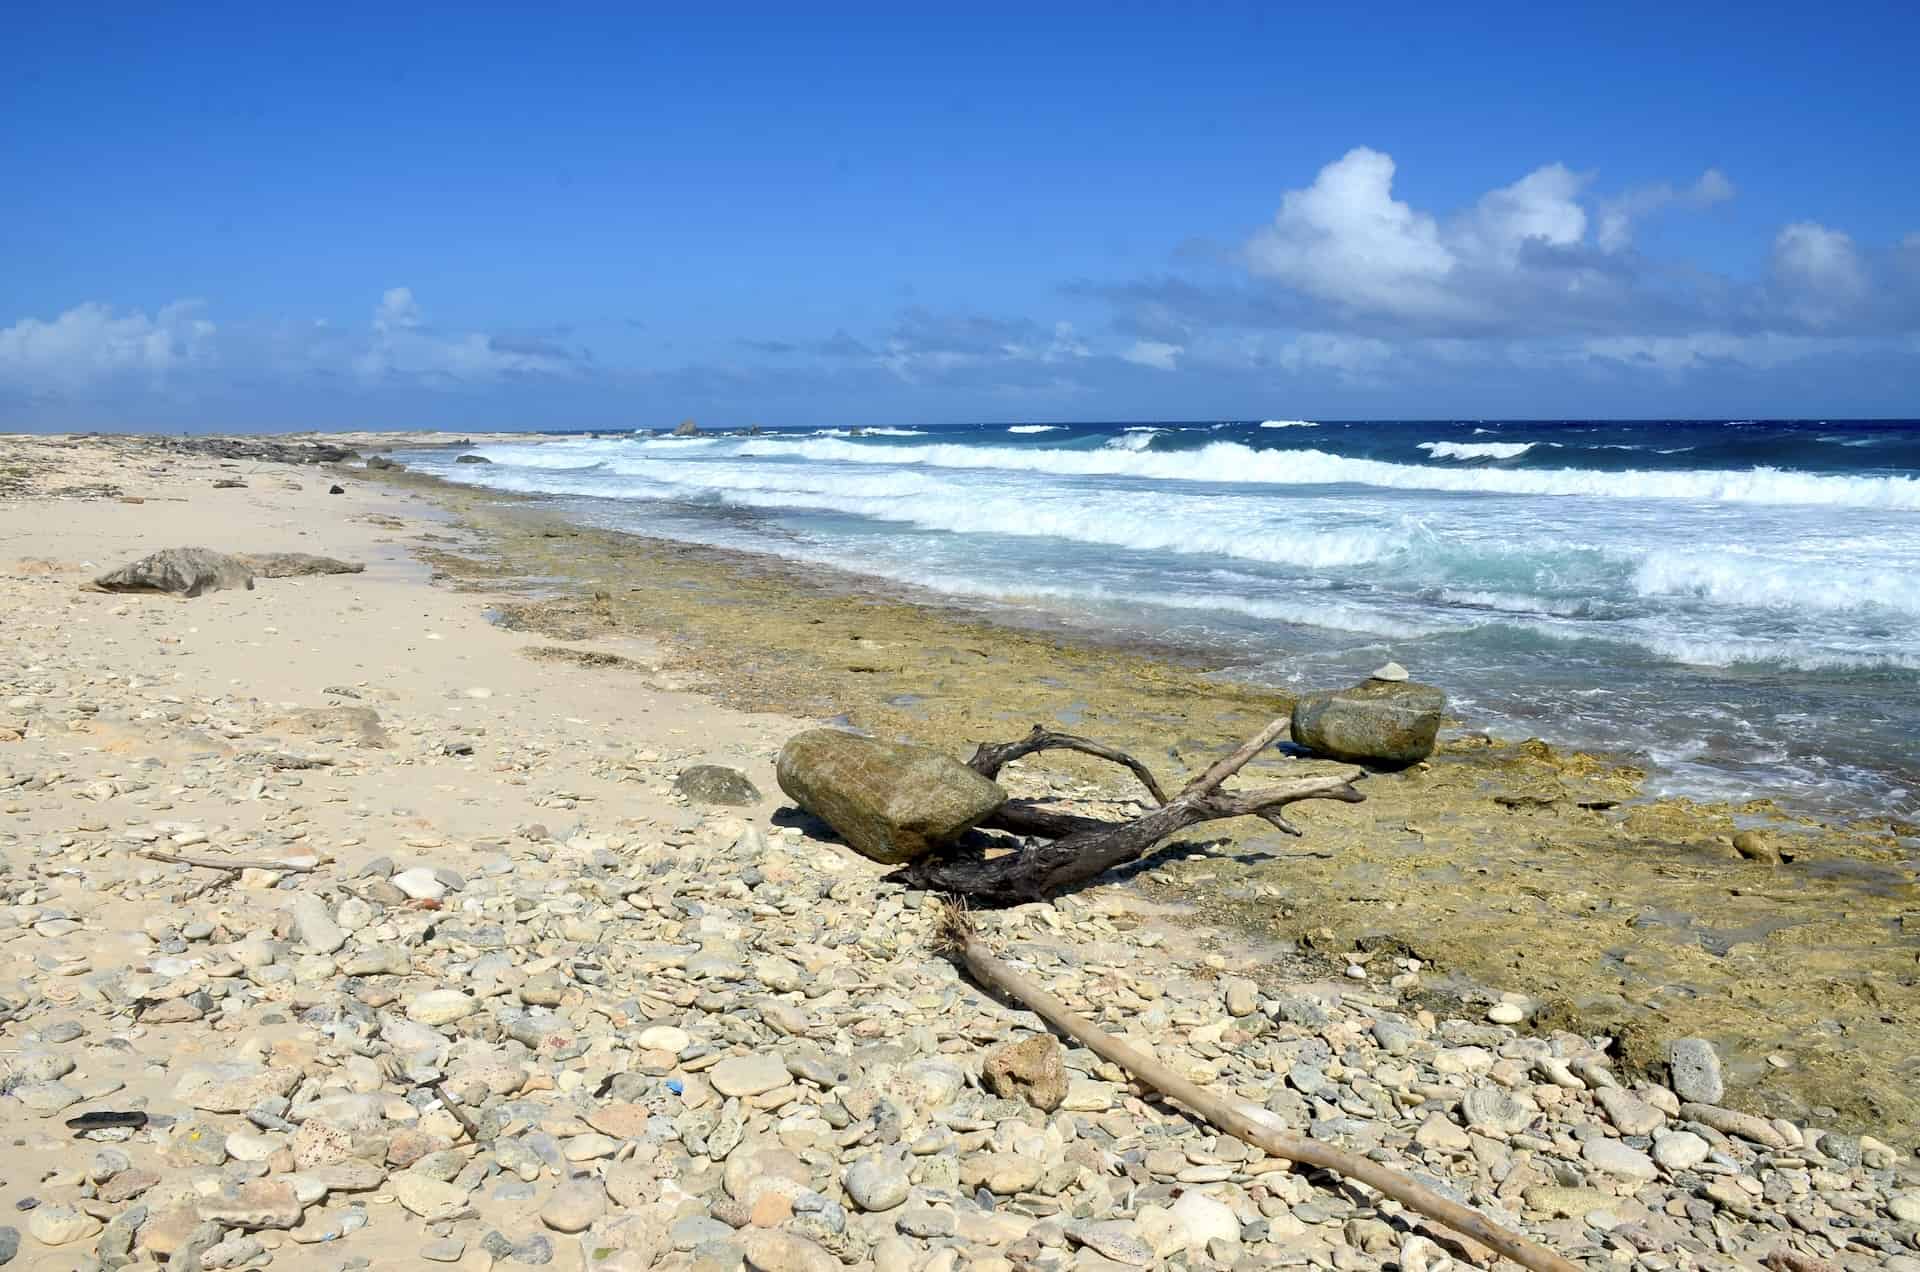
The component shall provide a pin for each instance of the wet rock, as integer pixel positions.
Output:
(473, 459)
(891, 802)
(179, 572)
(1380, 722)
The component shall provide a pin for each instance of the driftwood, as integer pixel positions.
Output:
(1242, 1121)
(1077, 848)
(225, 863)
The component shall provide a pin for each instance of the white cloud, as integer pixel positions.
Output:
(1617, 215)
(1821, 271)
(91, 344)
(1157, 354)
(1540, 207)
(1345, 238)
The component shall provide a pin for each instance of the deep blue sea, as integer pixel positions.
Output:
(1735, 602)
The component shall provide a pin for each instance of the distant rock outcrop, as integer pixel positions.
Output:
(687, 428)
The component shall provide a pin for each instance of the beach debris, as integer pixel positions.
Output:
(891, 801)
(1381, 722)
(1063, 850)
(179, 572)
(716, 784)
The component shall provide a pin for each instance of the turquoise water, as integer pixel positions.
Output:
(1735, 602)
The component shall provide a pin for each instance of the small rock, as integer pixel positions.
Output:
(429, 1198)
(439, 1007)
(749, 1074)
(716, 784)
(1694, 1069)
(877, 1183)
(1031, 1070)
(1680, 1150)
(1617, 1159)
(61, 1225)
(574, 1205)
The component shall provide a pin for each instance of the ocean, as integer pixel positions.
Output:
(1735, 604)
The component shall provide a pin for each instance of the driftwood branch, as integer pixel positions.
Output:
(990, 757)
(225, 863)
(1242, 1121)
(1078, 848)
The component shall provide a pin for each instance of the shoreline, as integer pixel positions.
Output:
(532, 761)
(1638, 918)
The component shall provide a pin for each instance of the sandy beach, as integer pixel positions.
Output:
(492, 980)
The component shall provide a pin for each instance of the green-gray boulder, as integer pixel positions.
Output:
(1386, 723)
(890, 801)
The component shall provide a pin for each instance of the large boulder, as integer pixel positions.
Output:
(180, 571)
(1386, 723)
(687, 428)
(890, 801)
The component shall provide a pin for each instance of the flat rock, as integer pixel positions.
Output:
(749, 1074)
(430, 1198)
(1680, 1150)
(439, 1007)
(287, 565)
(716, 784)
(1618, 1159)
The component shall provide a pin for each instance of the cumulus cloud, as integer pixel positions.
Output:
(91, 344)
(1542, 247)
(1346, 239)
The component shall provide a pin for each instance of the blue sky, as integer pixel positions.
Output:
(453, 217)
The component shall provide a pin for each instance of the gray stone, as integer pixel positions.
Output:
(180, 572)
(1381, 722)
(878, 1183)
(1617, 1159)
(1694, 1070)
(9, 1244)
(1489, 1108)
(313, 923)
(1630, 1114)
(716, 784)
(891, 802)
(1680, 1150)
(749, 1074)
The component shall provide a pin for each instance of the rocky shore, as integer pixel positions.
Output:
(511, 955)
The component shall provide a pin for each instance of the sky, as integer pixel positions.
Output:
(352, 216)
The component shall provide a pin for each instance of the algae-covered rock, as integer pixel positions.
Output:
(890, 801)
(1382, 722)
(180, 571)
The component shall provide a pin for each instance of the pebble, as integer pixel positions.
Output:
(1617, 1159)
(878, 1183)
(1680, 1150)
(574, 1206)
(749, 1075)
(1506, 1013)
